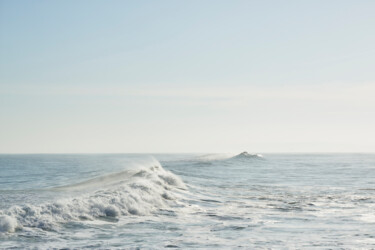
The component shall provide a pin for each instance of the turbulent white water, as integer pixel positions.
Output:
(187, 201)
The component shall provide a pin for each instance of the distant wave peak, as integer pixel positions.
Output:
(247, 155)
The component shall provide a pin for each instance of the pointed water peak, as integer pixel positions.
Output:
(245, 155)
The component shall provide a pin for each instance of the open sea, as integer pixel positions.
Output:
(188, 201)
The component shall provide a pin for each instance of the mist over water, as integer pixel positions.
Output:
(187, 201)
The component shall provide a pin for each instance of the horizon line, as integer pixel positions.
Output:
(145, 153)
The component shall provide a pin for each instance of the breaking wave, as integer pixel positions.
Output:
(225, 157)
(131, 192)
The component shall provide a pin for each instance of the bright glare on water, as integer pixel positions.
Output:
(187, 201)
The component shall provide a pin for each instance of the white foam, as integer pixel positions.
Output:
(8, 224)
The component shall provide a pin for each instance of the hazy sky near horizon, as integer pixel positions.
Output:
(187, 76)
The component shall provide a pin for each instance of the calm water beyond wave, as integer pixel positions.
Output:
(321, 201)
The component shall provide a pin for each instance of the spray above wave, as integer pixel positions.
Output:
(126, 193)
(213, 157)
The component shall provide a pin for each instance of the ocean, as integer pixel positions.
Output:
(188, 201)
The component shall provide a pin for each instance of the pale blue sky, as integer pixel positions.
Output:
(187, 76)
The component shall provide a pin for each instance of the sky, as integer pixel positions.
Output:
(187, 76)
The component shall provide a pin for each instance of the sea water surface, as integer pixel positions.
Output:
(187, 201)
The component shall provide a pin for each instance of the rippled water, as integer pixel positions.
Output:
(187, 201)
